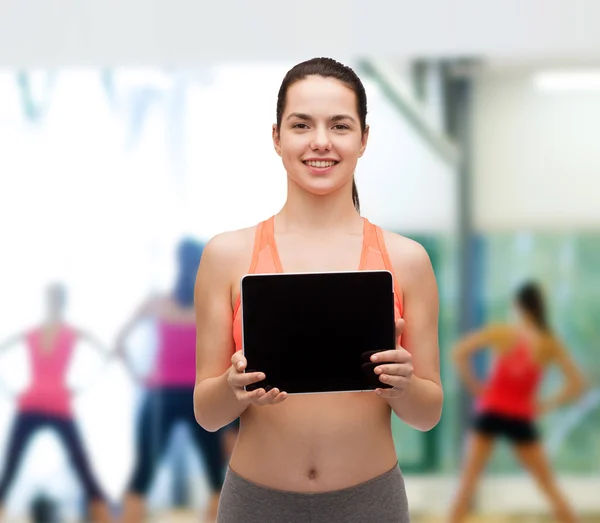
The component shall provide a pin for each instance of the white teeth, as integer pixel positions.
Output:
(313, 163)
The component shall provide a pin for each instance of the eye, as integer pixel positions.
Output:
(299, 126)
(341, 127)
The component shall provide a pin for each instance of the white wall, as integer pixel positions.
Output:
(177, 32)
(402, 183)
(80, 202)
(235, 177)
(537, 155)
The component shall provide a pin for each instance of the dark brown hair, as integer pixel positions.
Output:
(327, 68)
(530, 298)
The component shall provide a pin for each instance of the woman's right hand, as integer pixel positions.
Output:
(238, 379)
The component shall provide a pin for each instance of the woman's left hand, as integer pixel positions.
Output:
(397, 370)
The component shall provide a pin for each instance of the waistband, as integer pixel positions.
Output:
(250, 487)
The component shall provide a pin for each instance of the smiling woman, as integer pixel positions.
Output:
(316, 458)
(343, 125)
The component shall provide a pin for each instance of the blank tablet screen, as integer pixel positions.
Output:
(315, 332)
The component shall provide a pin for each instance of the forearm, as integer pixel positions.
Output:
(121, 353)
(215, 403)
(96, 344)
(11, 342)
(471, 382)
(421, 405)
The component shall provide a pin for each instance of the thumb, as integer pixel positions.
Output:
(400, 326)
(238, 361)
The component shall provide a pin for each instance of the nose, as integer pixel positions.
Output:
(321, 141)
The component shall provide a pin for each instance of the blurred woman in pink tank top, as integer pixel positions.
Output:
(169, 398)
(46, 403)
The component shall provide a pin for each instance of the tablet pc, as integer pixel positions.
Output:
(315, 332)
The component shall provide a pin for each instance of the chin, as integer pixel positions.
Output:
(320, 189)
(320, 186)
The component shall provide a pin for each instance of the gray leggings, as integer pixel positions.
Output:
(379, 500)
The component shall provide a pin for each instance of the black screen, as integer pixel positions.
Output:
(316, 332)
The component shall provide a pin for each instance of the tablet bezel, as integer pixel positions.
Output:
(324, 273)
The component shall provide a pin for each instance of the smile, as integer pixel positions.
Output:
(320, 163)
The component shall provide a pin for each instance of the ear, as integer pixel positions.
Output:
(364, 139)
(276, 140)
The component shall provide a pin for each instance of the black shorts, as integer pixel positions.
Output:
(516, 430)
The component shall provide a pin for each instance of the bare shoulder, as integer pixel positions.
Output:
(510, 332)
(504, 335)
(228, 249)
(226, 258)
(409, 258)
(554, 347)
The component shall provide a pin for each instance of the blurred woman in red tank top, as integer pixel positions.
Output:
(507, 404)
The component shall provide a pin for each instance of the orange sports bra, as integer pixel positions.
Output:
(265, 260)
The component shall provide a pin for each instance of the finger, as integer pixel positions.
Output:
(280, 397)
(397, 369)
(394, 381)
(277, 399)
(243, 379)
(252, 396)
(388, 393)
(269, 397)
(395, 356)
(400, 323)
(238, 361)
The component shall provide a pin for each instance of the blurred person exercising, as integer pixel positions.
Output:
(327, 457)
(507, 405)
(46, 403)
(169, 399)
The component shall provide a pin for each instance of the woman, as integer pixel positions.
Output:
(46, 403)
(171, 385)
(319, 458)
(507, 405)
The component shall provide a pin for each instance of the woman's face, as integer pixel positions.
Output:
(320, 139)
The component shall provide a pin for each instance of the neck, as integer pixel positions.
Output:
(306, 212)
(530, 325)
(53, 321)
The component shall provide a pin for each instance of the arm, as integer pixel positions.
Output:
(575, 381)
(468, 346)
(219, 395)
(99, 347)
(13, 340)
(144, 310)
(94, 342)
(415, 374)
(5, 345)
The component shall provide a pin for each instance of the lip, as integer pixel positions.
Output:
(321, 160)
(320, 170)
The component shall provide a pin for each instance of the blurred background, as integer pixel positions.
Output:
(127, 126)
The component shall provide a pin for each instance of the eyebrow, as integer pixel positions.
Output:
(335, 118)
